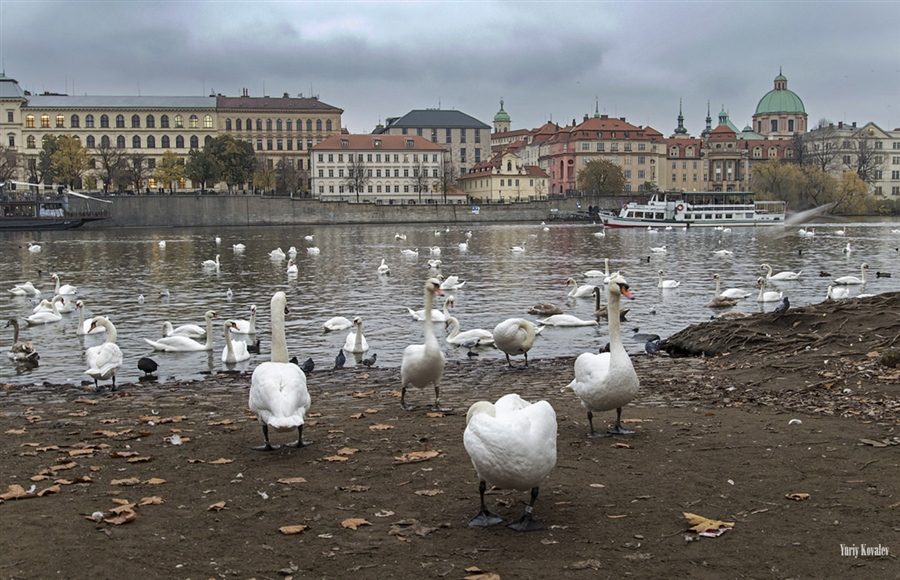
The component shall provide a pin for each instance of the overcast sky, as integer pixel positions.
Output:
(549, 61)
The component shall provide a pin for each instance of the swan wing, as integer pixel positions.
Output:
(421, 365)
(176, 344)
(278, 395)
(103, 360)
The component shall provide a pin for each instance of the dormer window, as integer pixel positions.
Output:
(410, 143)
(377, 142)
(345, 143)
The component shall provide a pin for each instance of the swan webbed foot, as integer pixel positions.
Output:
(526, 523)
(597, 435)
(267, 447)
(437, 408)
(485, 519)
(299, 442)
(618, 430)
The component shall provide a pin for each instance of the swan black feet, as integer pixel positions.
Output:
(268, 446)
(485, 519)
(617, 429)
(299, 442)
(526, 523)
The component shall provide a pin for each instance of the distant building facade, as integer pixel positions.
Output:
(780, 114)
(870, 151)
(504, 178)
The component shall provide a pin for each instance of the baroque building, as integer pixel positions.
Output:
(780, 114)
(504, 178)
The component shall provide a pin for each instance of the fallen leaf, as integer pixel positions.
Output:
(109, 421)
(354, 488)
(380, 427)
(139, 459)
(154, 500)
(291, 530)
(362, 395)
(357, 416)
(79, 414)
(434, 415)
(119, 501)
(485, 576)
(701, 524)
(615, 517)
(129, 481)
(621, 446)
(430, 492)
(417, 456)
(314, 414)
(597, 485)
(216, 507)
(632, 420)
(389, 513)
(290, 480)
(15, 432)
(335, 458)
(797, 496)
(221, 461)
(196, 461)
(154, 481)
(353, 523)
(362, 376)
(87, 401)
(48, 448)
(123, 518)
(77, 452)
(222, 422)
(39, 477)
(585, 564)
(63, 466)
(105, 433)
(122, 509)
(16, 491)
(874, 443)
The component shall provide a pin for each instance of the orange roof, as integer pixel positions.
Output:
(367, 142)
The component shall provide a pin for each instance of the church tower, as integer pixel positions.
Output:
(501, 120)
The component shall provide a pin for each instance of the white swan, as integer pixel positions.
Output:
(847, 249)
(853, 280)
(247, 326)
(423, 364)
(838, 293)
(786, 275)
(578, 291)
(103, 360)
(85, 326)
(21, 352)
(188, 330)
(484, 337)
(355, 341)
(308, 237)
(598, 274)
(229, 294)
(434, 264)
(337, 323)
(65, 289)
(463, 246)
(46, 316)
(211, 263)
(723, 253)
(566, 320)
(292, 251)
(666, 283)
(312, 250)
(277, 254)
(735, 293)
(399, 236)
(235, 351)
(384, 269)
(291, 268)
(238, 247)
(839, 232)
(452, 283)
(607, 380)
(218, 240)
(26, 289)
(770, 296)
(512, 445)
(278, 393)
(518, 249)
(436, 250)
(33, 248)
(162, 244)
(63, 306)
(436, 315)
(183, 343)
(408, 252)
(514, 336)
(659, 249)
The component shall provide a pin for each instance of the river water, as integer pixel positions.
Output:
(111, 268)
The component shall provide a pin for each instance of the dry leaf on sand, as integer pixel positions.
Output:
(216, 507)
(416, 456)
(353, 523)
(797, 496)
(701, 524)
(290, 480)
(291, 530)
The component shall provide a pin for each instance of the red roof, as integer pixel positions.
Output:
(367, 142)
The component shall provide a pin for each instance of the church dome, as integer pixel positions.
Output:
(780, 100)
(501, 116)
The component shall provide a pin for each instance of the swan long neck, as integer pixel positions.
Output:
(15, 325)
(359, 335)
(718, 285)
(111, 333)
(862, 271)
(615, 326)
(429, 303)
(209, 339)
(228, 345)
(597, 299)
(279, 342)
(454, 324)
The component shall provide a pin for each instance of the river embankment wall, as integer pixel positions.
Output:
(240, 210)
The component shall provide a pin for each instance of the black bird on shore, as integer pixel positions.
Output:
(148, 365)
(783, 307)
(367, 362)
(339, 360)
(308, 366)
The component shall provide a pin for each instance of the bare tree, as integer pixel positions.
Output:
(109, 163)
(286, 175)
(865, 159)
(421, 181)
(818, 148)
(9, 163)
(358, 177)
(447, 174)
(138, 170)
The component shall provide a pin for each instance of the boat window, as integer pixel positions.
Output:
(660, 216)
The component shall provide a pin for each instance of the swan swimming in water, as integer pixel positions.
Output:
(278, 394)
(188, 330)
(384, 269)
(238, 247)
(512, 445)
(65, 289)
(312, 250)
(26, 289)
(452, 283)
(211, 263)
(666, 283)
(103, 360)
(21, 352)
(337, 323)
(291, 268)
(423, 364)
(578, 292)
(770, 296)
(235, 351)
(853, 280)
(46, 316)
(277, 254)
(484, 337)
(84, 326)
(183, 343)
(735, 293)
(247, 326)
(436, 315)
(780, 276)
(566, 320)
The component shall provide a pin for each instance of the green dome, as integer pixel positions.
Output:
(780, 100)
(501, 116)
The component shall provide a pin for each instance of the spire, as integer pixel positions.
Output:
(597, 108)
(708, 129)
(680, 130)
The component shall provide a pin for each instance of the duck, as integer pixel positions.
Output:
(278, 394)
(786, 275)
(291, 268)
(26, 289)
(423, 364)
(183, 343)
(512, 445)
(735, 293)
(853, 280)
(514, 336)
(452, 282)
(235, 351)
(21, 352)
(545, 309)
(46, 316)
(65, 289)
(103, 360)
(84, 326)
(188, 330)
(313, 250)
(837, 293)
(337, 323)
(247, 326)
(603, 311)
(384, 269)
(666, 283)
(211, 263)
(770, 296)
(238, 247)
(565, 320)
(436, 315)
(410, 253)
(484, 337)
(355, 341)
(277, 254)
(607, 380)
(578, 292)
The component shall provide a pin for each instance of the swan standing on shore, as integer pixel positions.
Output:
(355, 341)
(607, 380)
(21, 352)
(423, 364)
(235, 351)
(103, 360)
(484, 337)
(278, 394)
(838, 293)
(183, 343)
(514, 336)
(512, 445)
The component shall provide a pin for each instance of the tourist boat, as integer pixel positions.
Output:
(700, 208)
(28, 211)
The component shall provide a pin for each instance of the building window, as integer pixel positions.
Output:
(462, 135)
(30, 142)
(259, 144)
(179, 122)
(195, 143)
(45, 121)
(136, 142)
(477, 154)
(135, 122)
(151, 163)
(104, 141)
(790, 125)
(319, 125)
(60, 121)
(643, 174)
(478, 135)
(268, 144)
(309, 125)
(328, 125)
(290, 125)
(643, 160)
(774, 125)
(895, 174)
(279, 145)
(448, 138)
(193, 122)
(120, 141)
(419, 131)
(179, 142)
(74, 122)
(164, 141)
(228, 124)
(104, 122)
(9, 116)
(29, 121)
(151, 142)
(150, 121)
(207, 122)
(627, 174)
(12, 140)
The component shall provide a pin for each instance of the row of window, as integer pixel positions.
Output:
(91, 143)
(377, 172)
(370, 189)
(448, 134)
(279, 125)
(377, 157)
(150, 122)
(627, 147)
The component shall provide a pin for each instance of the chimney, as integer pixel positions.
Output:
(854, 124)
(585, 118)
(245, 93)
(840, 125)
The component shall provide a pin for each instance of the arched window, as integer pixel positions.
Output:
(290, 125)
(29, 121)
(207, 139)
(120, 141)
(237, 125)
(120, 121)
(164, 121)
(328, 125)
(299, 125)
(228, 124)
(278, 125)
(104, 141)
(151, 121)
(268, 124)
(31, 142)
(207, 122)
(179, 122)
(151, 142)
(179, 142)
(104, 122)
(193, 122)
(259, 124)
(164, 141)
(249, 125)
(195, 143)
(90, 141)
(45, 121)
(74, 122)
(309, 124)
(509, 166)
(318, 125)
(60, 121)
(89, 121)
(135, 121)
(136, 142)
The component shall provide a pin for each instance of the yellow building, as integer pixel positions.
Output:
(504, 179)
